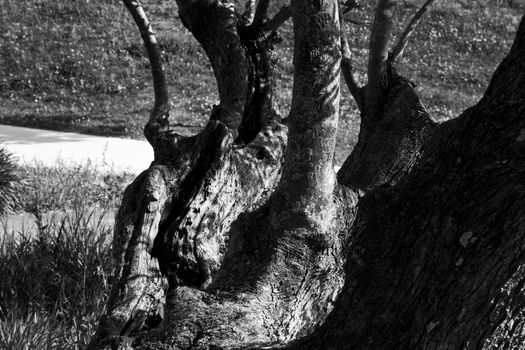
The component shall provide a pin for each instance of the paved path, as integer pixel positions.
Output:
(45, 147)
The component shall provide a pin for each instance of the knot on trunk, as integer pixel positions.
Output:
(390, 139)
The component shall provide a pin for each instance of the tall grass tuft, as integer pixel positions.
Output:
(55, 277)
(9, 178)
(55, 284)
(67, 186)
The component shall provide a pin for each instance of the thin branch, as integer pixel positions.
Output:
(261, 13)
(355, 21)
(161, 107)
(398, 50)
(345, 10)
(379, 40)
(278, 20)
(347, 66)
(348, 74)
(348, 6)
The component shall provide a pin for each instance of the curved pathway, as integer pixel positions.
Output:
(46, 147)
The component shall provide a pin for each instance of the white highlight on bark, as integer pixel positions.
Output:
(249, 10)
(431, 326)
(462, 314)
(521, 136)
(467, 238)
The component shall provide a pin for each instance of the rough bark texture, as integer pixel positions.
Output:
(282, 267)
(217, 250)
(392, 133)
(437, 262)
(394, 122)
(172, 228)
(278, 266)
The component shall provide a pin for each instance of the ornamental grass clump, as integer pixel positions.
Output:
(9, 181)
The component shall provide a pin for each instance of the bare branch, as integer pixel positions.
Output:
(348, 74)
(249, 10)
(345, 10)
(347, 66)
(379, 40)
(348, 6)
(280, 17)
(261, 13)
(398, 50)
(161, 108)
(355, 21)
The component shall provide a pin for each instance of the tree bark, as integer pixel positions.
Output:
(394, 121)
(278, 266)
(282, 267)
(437, 262)
(419, 244)
(172, 227)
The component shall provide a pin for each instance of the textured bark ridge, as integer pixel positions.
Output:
(392, 133)
(394, 121)
(268, 275)
(282, 267)
(173, 225)
(218, 248)
(437, 262)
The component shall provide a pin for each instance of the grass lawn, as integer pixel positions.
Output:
(79, 65)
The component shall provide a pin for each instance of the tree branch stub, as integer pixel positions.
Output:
(280, 17)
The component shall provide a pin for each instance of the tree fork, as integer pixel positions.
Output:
(394, 121)
(274, 273)
(444, 266)
(250, 299)
(299, 247)
(171, 228)
(282, 266)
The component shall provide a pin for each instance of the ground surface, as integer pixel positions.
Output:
(46, 148)
(79, 65)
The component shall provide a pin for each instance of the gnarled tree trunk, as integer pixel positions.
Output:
(172, 228)
(438, 261)
(417, 243)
